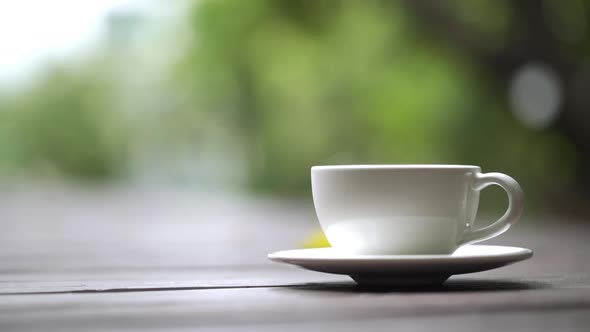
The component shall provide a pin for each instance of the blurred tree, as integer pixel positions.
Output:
(66, 124)
(554, 33)
(286, 84)
(363, 82)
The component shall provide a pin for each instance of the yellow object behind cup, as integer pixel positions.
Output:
(317, 239)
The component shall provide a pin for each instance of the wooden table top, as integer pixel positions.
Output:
(118, 259)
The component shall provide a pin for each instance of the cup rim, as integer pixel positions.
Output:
(394, 166)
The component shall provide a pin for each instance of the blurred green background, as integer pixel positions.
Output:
(247, 95)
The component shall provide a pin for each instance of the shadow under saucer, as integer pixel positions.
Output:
(452, 285)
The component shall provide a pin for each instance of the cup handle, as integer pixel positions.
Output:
(515, 207)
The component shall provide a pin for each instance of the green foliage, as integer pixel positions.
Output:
(290, 84)
(355, 82)
(67, 124)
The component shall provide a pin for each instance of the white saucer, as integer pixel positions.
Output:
(403, 270)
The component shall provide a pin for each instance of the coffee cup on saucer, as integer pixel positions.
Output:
(407, 209)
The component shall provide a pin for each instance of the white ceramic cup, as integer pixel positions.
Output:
(407, 209)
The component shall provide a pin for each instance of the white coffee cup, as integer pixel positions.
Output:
(407, 209)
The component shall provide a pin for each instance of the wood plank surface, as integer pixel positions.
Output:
(119, 259)
(281, 305)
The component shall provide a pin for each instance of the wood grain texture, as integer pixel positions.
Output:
(128, 259)
(281, 305)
